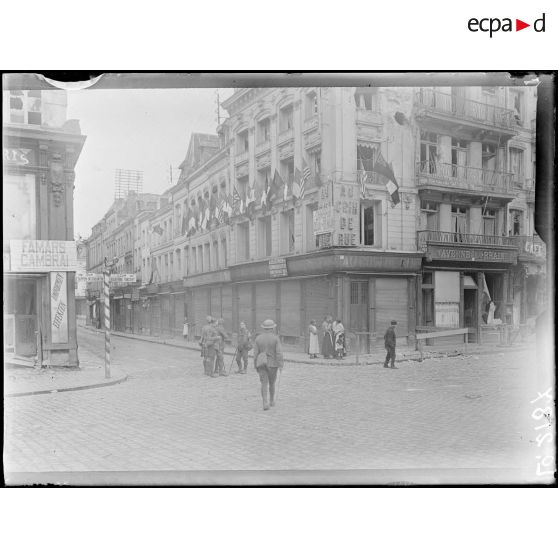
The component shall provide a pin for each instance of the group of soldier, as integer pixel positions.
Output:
(213, 341)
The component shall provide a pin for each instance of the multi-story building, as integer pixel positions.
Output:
(40, 151)
(235, 237)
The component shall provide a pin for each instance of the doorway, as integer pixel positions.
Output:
(20, 316)
(358, 311)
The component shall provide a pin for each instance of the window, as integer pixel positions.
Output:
(516, 222)
(516, 164)
(201, 268)
(371, 229)
(287, 232)
(428, 152)
(264, 179)
(194, 262)
(459, 152)
(317, 163)
(242, 186)
(366, 98)
(366, 158)
(459, 219)
(489, 221)
(224, 251)
(264, 236)
(286, 119)
(215, 255)
(243, 241)
(242, 142)
(263, 130)
(517, 101)
(206, 257)
(429, 215)
(311, 105)
(185, 270)
(287, 171)
(178, 264)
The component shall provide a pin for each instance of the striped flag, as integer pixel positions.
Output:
(236, 201)
(305, 176)
(362, 176)
(296, 184)
(385, 169)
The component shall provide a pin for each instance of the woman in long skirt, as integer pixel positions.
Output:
(314, 345)
(327, 343)
(339, 339)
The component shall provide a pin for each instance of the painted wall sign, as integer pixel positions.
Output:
(43, 255)
(472, 254)
(59, 307)
(278, 267)
(16, 155)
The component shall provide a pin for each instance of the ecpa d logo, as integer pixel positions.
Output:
(494, 24)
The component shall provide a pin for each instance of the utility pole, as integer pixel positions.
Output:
(107, 271)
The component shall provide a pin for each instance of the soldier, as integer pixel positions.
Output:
(268, 358)
(243, 348)
(390, 342)
(220, 347)
(208, 341)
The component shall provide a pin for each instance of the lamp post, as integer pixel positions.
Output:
(107, 270)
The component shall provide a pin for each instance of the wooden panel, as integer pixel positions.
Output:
(290, 308)
(265, 302)
(392, 304)
(318, 304)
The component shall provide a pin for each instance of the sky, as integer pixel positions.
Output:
(138, 129)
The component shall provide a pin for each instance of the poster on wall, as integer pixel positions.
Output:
(59, 307)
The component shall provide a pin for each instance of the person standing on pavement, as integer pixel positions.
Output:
(339, 337)
(220, 347)
(313, 346)
(243, 347)
(268, 362)
(185, 328)
(327, 343)
(390, 341)
(209, 338)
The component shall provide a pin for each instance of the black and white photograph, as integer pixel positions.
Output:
(273, 279)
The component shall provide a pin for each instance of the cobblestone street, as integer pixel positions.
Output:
(463, 412)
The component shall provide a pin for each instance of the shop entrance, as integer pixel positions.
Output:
(358, 311)
(20, 316)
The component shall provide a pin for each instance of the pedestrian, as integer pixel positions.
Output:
(208, 341)
(268, 362)
(185, 328)
(313, 346)
(244, 345)
(222, 338)
(390, 342)
(339, 339)
(327, 342)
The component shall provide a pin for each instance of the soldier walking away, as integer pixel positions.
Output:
(390, 342)
(209, 338)
(268, 359)
(220, 347)
(243, 348)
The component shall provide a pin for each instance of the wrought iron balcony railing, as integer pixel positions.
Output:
(464, 177)
(446, 237)
(460, 107)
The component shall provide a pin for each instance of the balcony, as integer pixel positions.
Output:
(431, 174)
(530, 248)
(466, 247)
(262, 147)
(285, 136)
(241, 157)
(458, 110)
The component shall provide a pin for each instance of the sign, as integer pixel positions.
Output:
(59, 307)
(536, 248)
(472, 254)
(323, 220)
(16, 155)
(278, 267)
(123, 278)
(43, 255)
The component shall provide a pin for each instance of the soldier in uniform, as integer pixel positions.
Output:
(208, 341)
(243, 348)
(220, 347)
(390, 342)
(268, 358)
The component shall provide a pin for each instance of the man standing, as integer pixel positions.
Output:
(208, 341)
(220, 347)
(268, 358)
(389, 342)
(243, 348)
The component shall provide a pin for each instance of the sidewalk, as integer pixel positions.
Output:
(20, 381)
(405, 354)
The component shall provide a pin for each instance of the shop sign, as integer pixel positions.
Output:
(323, 220)
(278, 267)
(535, 248)
(59, 307)
(43, 255)
(472, 254)
(16, 156)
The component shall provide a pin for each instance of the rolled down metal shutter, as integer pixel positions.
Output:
(316, 299)
(226, 304)
(266, 302)
(155, 316)
(178, 301)
(215, 302)
(245, 305)
(201, 303)
(290, 308)
(392, 304)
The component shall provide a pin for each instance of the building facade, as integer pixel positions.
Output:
(238, 237)
(40, 151)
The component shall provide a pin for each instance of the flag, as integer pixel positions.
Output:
(305, 176)
(362, 176)
(204, 207)
(192, 222)
(296, 184)
(275, 189)
(265, 190)
(236, 202)
(212, 208)
(219, 210)
(227, 208)
(251, 201)
(382, 167)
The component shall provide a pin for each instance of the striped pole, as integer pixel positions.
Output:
(106, 290)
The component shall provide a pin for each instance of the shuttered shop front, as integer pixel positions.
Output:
(226, 305)
(316, 299)
(265, 302)
(216, 302)
(155, 316)
(245, 305)
(290, 308)
(201, 303)
(392, 304)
